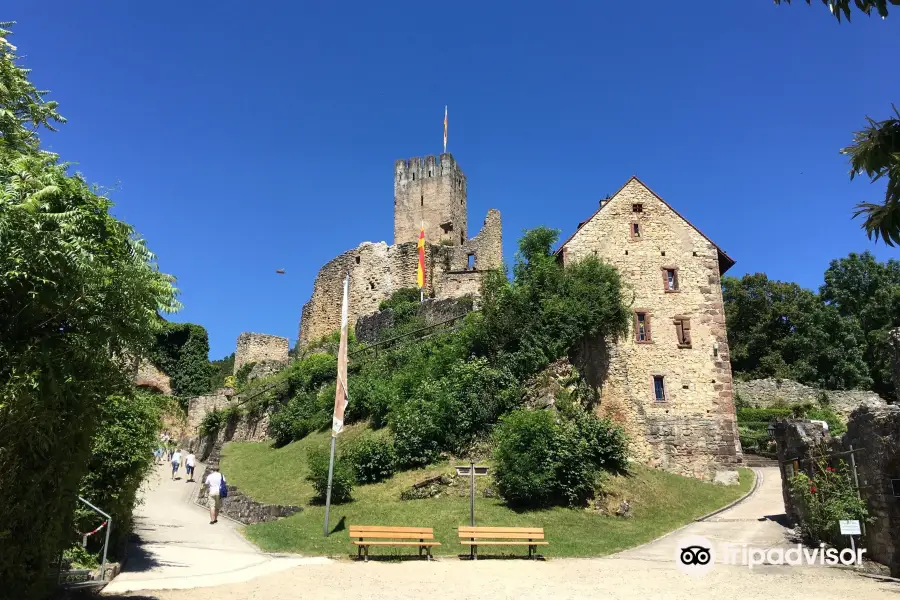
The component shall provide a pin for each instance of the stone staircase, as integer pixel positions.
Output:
(753, 460)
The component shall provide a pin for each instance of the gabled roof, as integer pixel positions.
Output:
(725, 261)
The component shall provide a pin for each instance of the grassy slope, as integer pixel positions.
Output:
(660, 503)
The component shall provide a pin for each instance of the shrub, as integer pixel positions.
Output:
(372, 398)
(526, 448)
(342, 479)
(400, 298)
(240, 378)
(824, 499)
(373, 458)
(418, 435)
(303, 414)
(836, 424)
(212, 422)
(605, 443)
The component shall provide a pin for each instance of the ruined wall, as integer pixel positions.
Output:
(199, 406)
(764, 393)
(149, 376)
(368, 327)
(378, 270)
(430, 190)
(875, 434)
(258, 347)
(694, 430)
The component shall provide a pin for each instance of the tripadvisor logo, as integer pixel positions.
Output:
(696, 555)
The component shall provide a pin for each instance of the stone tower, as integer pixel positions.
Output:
(430, 189)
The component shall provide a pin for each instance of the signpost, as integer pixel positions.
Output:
(851, 528)
(471, 471)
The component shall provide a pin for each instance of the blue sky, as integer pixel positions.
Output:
(243, 137)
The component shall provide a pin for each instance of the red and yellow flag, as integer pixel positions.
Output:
(445, 129)
(420, 271)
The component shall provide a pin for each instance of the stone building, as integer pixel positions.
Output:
(260, 347)
(429, 192)
(669, 382)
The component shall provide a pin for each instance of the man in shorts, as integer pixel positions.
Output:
(214, 481)
(176, 463)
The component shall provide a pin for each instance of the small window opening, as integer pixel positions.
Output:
(422, 200)
(642, 327)
(670, 280)
(659, 388)
(695, 254)
(637, 208)
(372, 285)
(471, 262)
(626, 253)
(683, 332)
(636, 230)
(357, 260)
(462, 239)
(663, 253)
(414, 176)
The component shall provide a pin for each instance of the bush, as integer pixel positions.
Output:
(544, 458)
(303, 414)
(373, 458)
(836, 424)
(418, 433)
(824, 499)
(342, 480)
(526, 447)
(212, 422)
(371, 398)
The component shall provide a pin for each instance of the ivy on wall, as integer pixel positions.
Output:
(182, 352)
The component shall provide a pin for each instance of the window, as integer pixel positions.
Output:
(471, 262)
(357, 260)
(422, 200)
(683, 331)
(670, 279)
(642, 327)
(635, 231)
(659, 388)
(637, 208)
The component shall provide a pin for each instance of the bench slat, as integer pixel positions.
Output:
(508, 536)
(510, 543)
(397, 529)
(397, 536)
(501, 529)
(358, 543)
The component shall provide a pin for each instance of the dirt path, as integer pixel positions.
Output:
(179, 549)
(638, 574)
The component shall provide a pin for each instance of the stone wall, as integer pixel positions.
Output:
(874, 431)
(378, 270)
(430, 191)
(258, 347)
(764, 393)
(149, 376)
(199, 406)
(239, 506)
(432, 311)
(693, 431)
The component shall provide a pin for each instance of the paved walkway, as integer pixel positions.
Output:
(179, 549)
(756, 522)
(638, 574)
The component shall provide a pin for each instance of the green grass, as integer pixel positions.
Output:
(660, 502)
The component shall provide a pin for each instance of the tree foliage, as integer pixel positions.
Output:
(836, 339)
(843, 8)
(181, 351)
(79, 291)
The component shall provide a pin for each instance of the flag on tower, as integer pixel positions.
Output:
(420, 271)
(445, 129)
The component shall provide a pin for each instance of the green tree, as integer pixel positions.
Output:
(79, 292)
(778, 329)
(862, 288)
(875, 150)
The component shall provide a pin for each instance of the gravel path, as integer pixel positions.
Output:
(643, 573)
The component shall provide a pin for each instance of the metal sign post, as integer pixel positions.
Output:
(471, 471)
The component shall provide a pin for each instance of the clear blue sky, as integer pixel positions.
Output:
(244, 137)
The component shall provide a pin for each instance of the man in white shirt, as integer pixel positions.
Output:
(189, 464)
(214, 481)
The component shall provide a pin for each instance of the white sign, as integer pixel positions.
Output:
(850, 528)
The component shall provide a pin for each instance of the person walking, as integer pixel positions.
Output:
(189, 464)
(215, 481)
(176, 463)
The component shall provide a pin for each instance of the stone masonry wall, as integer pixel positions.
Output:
(430, 190)
(378, 270)
(431, 311)
(199, 406)
(694, 430)
(149, 376)
(258, 347)
(764, 393)
(874, 431)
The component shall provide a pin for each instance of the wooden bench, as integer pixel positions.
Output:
(502, 536)
(377, 535)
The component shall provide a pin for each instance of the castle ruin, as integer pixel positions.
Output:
(429, 192)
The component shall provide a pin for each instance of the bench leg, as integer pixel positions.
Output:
(366, 554)
(474, 552)
(358, 552)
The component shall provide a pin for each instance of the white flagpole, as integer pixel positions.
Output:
(341, 397)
